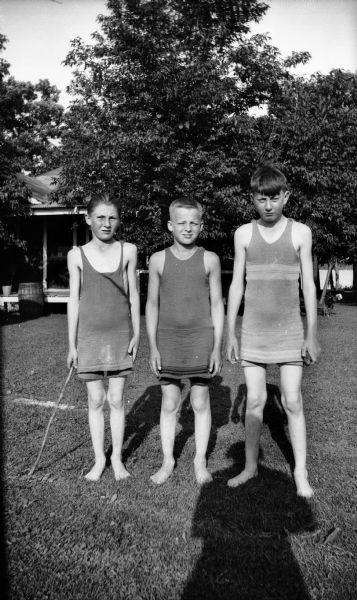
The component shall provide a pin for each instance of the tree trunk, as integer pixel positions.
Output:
(354, 281)
(331, 281)
(337, 278)
(328, 274)
(316, 271)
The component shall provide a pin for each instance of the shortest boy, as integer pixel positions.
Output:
(184, 318)
(272, 253)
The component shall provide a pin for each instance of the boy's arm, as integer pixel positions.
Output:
(217, 310)
(152, 309)
(310, 344)
(134, 300)
(73, 305)
(236, 290)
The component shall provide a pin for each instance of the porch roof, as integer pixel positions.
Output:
(40, 188)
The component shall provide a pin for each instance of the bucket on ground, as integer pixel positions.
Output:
(31, 301)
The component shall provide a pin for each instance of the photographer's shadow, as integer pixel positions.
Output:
(246, 537)
(274, 417)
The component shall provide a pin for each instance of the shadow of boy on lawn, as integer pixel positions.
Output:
(220, 400)
(274, 417)
(245, 531)
(145, 415)
(141, 419)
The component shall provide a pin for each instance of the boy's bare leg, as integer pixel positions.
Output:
(291, 398)
(96, 399)
(117, 425)
(255, 378)
(201, 406)
(171, 399)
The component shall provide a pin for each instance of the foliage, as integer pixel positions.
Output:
(30, 117)
(160, 110)
(12, 194)
(312, 131)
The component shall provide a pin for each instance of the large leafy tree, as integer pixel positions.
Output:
(12, 194)
(160, 109)
(311, 130)
(39, 127)
(30, 117)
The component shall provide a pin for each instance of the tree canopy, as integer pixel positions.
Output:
(30, 117)
(312, 131)
(160, 109)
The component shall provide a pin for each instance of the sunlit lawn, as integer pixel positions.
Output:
(71, 539)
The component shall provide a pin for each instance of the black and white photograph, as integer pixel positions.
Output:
(178, 299)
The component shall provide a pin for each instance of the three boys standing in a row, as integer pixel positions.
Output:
(185, 320)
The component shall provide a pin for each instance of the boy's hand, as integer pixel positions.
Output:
(232, 349)
(215, 362)
(155, 362)
(310, 350)
(72, 358)
(133, 346)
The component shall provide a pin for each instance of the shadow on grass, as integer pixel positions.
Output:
(4, 571)
(14, 318)
(246, 537)
(349, 297)
(142, 418)
(220, 399)
(274, 417)
(145, 415)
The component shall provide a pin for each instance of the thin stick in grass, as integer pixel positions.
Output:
(50, 421)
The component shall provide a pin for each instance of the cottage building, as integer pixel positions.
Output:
(50, 231)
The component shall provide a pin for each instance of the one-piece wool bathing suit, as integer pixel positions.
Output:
(272, 329)
(185, 329)
(104, 320)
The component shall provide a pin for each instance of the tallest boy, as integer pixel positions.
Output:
(272, 253)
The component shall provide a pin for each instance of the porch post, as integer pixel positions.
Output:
(44, 254)
(74, 233)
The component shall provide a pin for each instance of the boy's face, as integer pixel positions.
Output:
(270, 208)
(185, 225)
(103, 221)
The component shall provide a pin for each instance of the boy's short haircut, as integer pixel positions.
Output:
(185, 203)
(103, 198)
(268, 180)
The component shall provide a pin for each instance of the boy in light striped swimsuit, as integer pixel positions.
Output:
(271, 252)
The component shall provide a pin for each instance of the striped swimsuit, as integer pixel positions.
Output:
(272, 330)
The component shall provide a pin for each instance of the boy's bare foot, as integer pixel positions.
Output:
(243, 477)
(96, 471)
(164, 473)
(202, 474)
(120, 471)
(303, 488)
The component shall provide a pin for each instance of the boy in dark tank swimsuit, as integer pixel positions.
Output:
(184, 317)
(103, 326)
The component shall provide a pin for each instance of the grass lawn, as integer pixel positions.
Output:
(70, 539)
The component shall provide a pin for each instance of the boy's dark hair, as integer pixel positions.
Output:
(103, 198)
(187, 202)
(268, 180)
